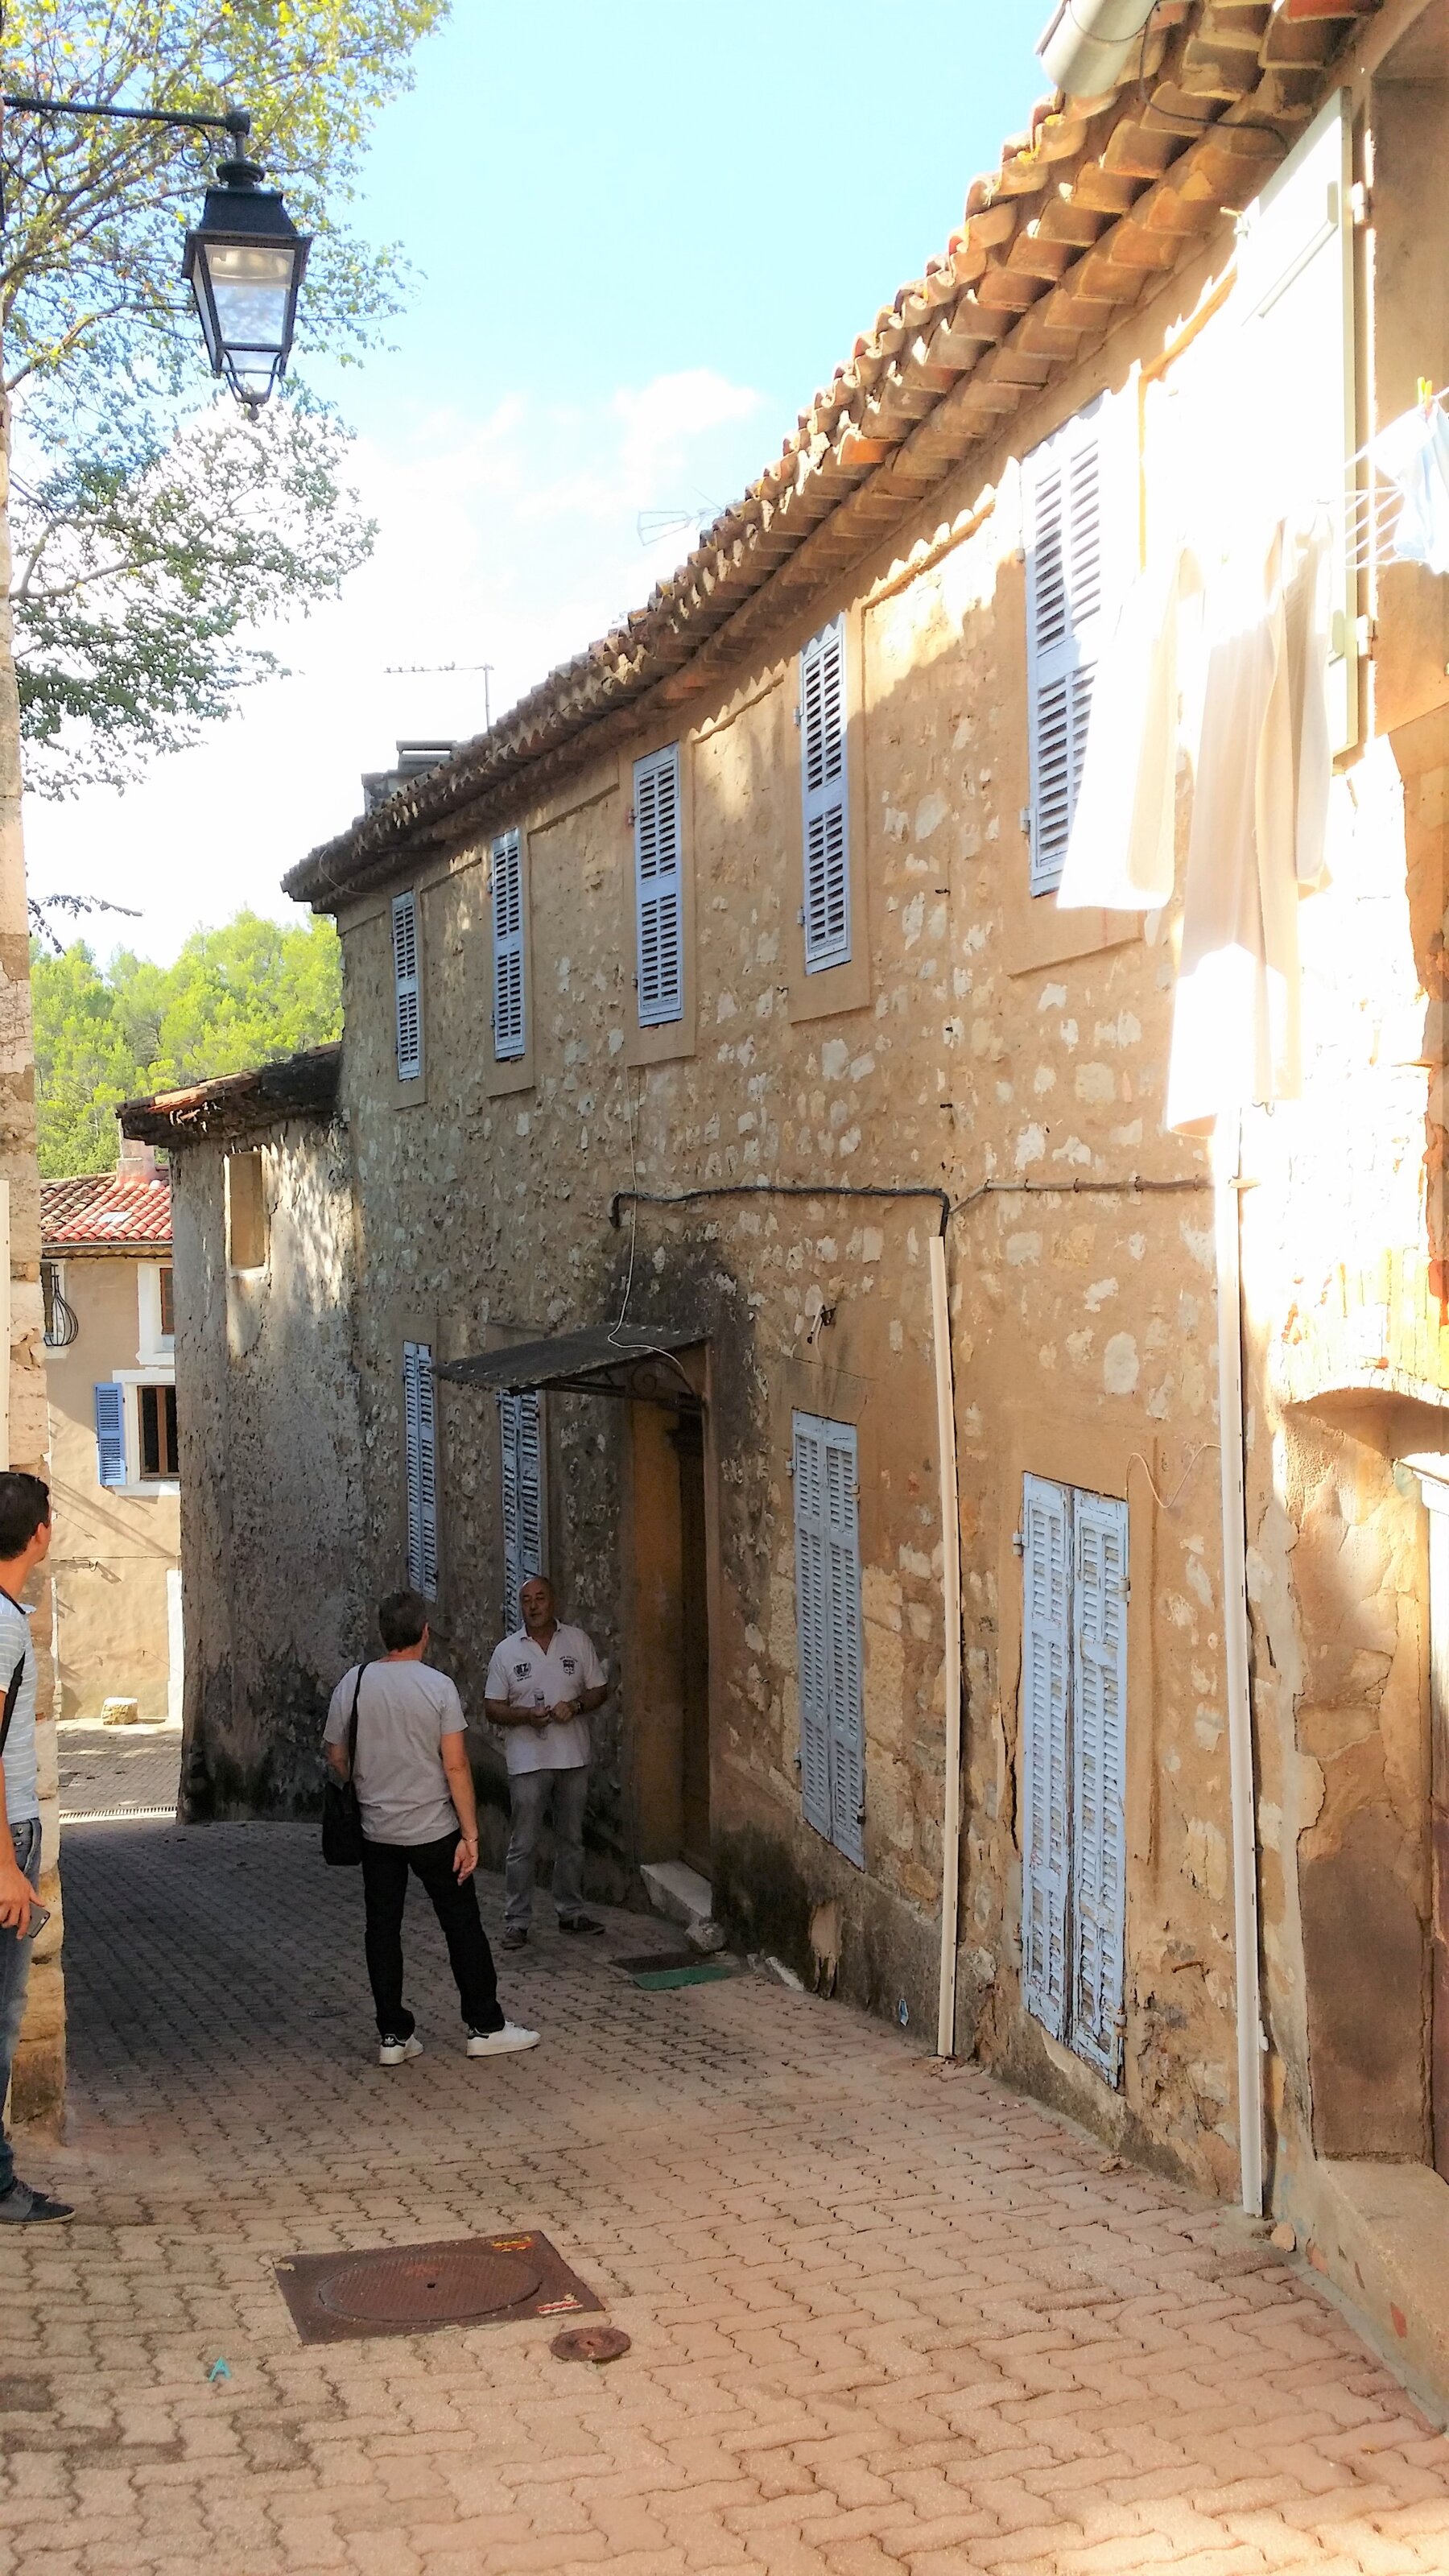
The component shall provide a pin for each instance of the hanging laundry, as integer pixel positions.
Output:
(1414, 453)
(1121, 851)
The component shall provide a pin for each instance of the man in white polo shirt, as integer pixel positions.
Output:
(543, 1684)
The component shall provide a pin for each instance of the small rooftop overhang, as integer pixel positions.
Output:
(635, 1361)
(237, 1104)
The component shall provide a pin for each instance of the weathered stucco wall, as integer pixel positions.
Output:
(274, 1578)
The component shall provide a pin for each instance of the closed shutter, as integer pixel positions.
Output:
(420, 1444)
(508, 1002)
(111, 1434)
(408, 987)
(813, 1615)
(827, 1592)
(659, 888)
(1099, 1708)
(1295, 383)
(520, 1440)
(826, 803)
(1064, 592)
(1045, 1782)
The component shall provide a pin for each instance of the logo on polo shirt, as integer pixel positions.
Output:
(521, 1672)
(569, 1663)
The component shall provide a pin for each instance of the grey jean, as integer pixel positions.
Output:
(530, 1792)
(14, 1978)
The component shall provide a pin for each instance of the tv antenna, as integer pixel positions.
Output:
(439, 670)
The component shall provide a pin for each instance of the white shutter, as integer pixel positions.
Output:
(1099, 1743)
(509, 1035)
(1293, 401)
(659, 888)
(520, 1439)
(110, 1434)
(408, 987)
(825, 799)
(421, 1454)
(812, 1614)
(847, 1711)
(1064, 594)
(1045, 1786)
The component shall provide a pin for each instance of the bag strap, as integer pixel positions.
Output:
(16, 1678)
(351, 1723)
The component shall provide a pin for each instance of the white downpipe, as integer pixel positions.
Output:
(951, 1603)
(1092, 45)
(1231, 1441)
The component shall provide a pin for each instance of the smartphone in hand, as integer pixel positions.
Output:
(39, 1917)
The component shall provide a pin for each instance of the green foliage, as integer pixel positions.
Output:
(103, 1034)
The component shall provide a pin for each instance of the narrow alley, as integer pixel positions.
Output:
(879, 2318)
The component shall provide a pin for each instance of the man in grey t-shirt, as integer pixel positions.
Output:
(419, 1819)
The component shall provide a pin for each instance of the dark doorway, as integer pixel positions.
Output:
(694, 1647)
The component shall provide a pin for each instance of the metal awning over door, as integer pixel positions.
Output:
(630, 1360)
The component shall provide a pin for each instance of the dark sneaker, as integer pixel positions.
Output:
(578, 1923)
(23, 2206)
(514, 1938)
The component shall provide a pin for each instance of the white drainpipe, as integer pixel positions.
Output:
(951, 1602)
(1092, 45)
(1231, 1442)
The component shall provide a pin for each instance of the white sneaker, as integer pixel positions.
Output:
(392, 2052)
(501, 2043)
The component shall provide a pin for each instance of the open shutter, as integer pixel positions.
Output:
(1295, 386)
(520, 1435)
(420, 1443)
(509, 1036)
(408, 987)
(847, 1709)
(812, 1614)
(1099, 1746)
(1064, 588)
(111, 1434)
(659, 889)
(826, 806)
(1045, 1785)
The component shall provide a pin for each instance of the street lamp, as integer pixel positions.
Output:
(244, 261)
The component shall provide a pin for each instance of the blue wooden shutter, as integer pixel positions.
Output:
(812, 1615)
(509, 1032)
(111, 1434)
(1045, 1712)
(847, 1696)
(825, 798)
(420, 1446)
(1099, 1747)
(520, 1436)
(408, 987)
(1064, 591)
(659, 888)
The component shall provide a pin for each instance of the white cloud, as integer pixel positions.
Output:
(510, 540)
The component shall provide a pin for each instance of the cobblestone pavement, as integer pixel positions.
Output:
(118, 1770)
(881, 2319)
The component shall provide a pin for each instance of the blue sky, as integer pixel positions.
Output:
(642, 235)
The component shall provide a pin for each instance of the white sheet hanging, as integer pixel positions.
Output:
(1121, 850)
(1414, 452)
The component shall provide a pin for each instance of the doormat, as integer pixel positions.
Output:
(649, 1960)
(416, 2289)
(700, 1972)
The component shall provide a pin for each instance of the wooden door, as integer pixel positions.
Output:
(694, 1647)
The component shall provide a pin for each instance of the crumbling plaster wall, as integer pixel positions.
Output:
(274, 1579)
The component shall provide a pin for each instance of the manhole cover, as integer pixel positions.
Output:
(590, 2343)
(413, 2289)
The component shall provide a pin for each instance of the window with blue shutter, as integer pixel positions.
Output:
(111, 1434)
(509, 1002)
(1073, 1766)
(825, 799)
(407, 987)
(659, 888)
(827, 1596)
(421, 1465)
(1062, 482)
(520, 1437)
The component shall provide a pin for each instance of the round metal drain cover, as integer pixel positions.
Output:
(590, 2343)
(430, 2288)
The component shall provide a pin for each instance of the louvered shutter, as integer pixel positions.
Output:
(1045, 1782)
(659, 888)
(846, 1695)
(1064, 592)
(825, 798)
(408, 986)
(1295, 365)
(111, 1434)
(812, 1614)
(420, 1444)
(509, 1035)
(1099, 1746)
(520, 1435)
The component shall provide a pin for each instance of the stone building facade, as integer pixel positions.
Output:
(690, 1006)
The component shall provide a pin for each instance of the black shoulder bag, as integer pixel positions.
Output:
(341, 1814)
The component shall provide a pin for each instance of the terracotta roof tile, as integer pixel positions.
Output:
(105, 1211)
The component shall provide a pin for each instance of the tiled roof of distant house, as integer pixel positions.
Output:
(1097, 198)
(105, 1212)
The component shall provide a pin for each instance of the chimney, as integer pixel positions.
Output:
(135, 1161)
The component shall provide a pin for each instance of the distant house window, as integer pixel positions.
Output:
(520, 1429)
(659, 890)
(110, 1433)
(420, 1448)
(510, 1032)
(168, 1302)
(825, 798)
(1065, 589)
(407, 984)
(61, 1321)
(825, 1469)
(156, 1425)
(246, 1211)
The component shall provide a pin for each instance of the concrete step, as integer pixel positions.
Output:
(1387, 2249)
(678, 1892)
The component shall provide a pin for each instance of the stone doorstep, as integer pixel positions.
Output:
(677, 1891)
(1382, 2239)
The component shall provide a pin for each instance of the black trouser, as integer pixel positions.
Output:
(385, 1869)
